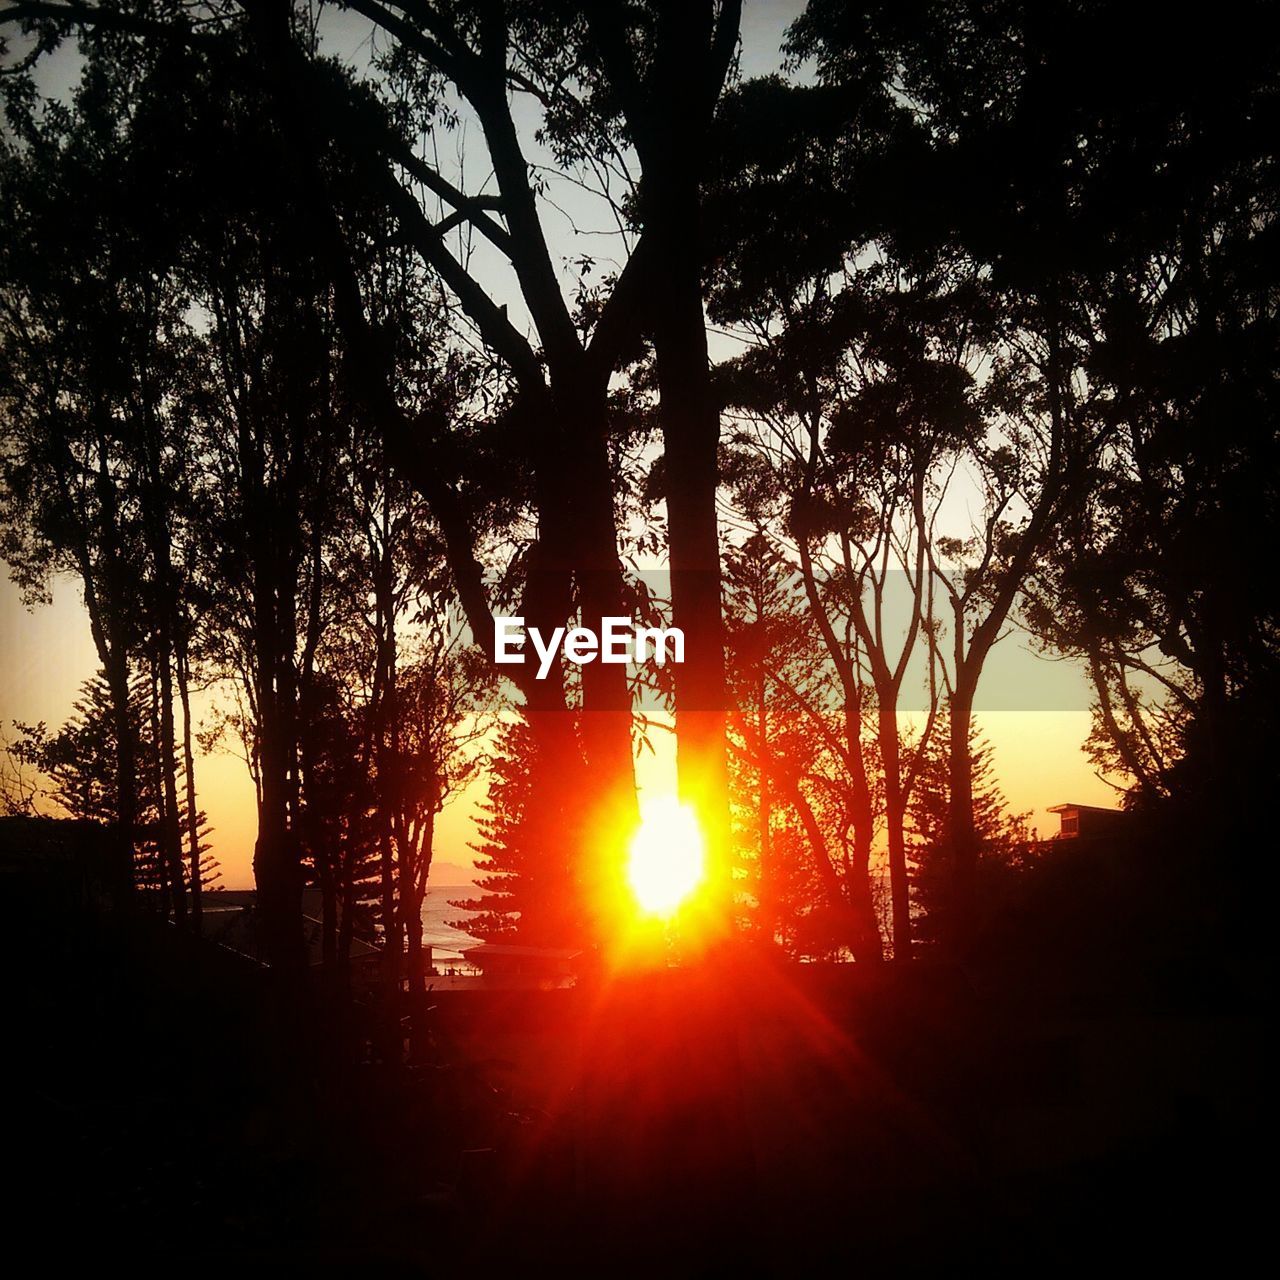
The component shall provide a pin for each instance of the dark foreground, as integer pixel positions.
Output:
(745, 1118)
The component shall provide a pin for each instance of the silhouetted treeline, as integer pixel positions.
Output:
(961, 321)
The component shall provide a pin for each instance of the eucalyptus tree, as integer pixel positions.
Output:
(614, 85)
(898, 381)
(96, 365)
(273, 426)
(1153, 581)
(1094, 162)
(578, 65)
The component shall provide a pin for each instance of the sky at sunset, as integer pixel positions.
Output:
(45, 655)
(418, 401)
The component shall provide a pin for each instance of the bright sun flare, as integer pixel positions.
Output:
(667, 858)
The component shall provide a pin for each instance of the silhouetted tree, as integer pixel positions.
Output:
(1004, 841)
(522, 857)
(650, 76)
(92, 359)
(789, 759)
(80, 762)
(1049, 169)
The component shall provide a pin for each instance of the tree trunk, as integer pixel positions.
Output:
(276, 866)
(387, 765)
(347, 908)
(189, 771)
(579, 524)
(961, 833)
(691, 59)
(276, 870)
(690, 420)
(392, 932)
(328, 911)
(895, 815)
(417, 895)
(116, 666)
(171, 829)
(767, 915)
(865, 940)
(415, 964)
(866, 943)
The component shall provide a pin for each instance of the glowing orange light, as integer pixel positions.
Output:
(667, 860)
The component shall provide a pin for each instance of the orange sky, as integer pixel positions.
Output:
(45, 655)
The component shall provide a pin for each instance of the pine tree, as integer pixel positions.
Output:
(527, 880)
(80, 759)
(1003, 837)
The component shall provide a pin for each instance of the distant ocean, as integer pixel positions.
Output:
(436, 911)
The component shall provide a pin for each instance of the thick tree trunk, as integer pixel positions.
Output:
(276, 869)
(866, 943)
(554, 827)
(692, 57)
(690, 420)
(579, 524)
(318, 843)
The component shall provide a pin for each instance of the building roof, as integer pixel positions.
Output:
(1084, 808)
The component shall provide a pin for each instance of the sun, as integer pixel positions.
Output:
(667, 861)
